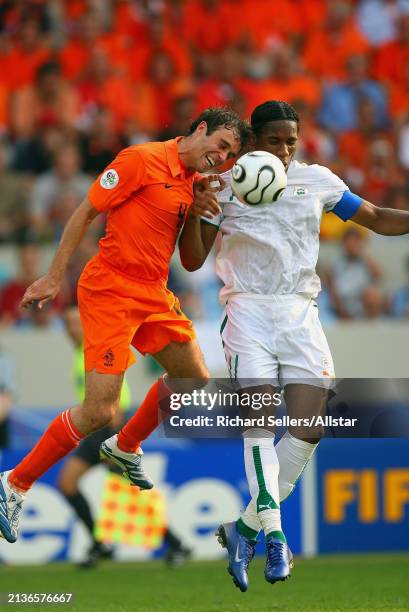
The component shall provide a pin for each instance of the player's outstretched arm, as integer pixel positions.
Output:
(195, 242)
(197, 238)
(47, 287)
(386, 221)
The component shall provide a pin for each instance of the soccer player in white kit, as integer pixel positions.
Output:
(270, 327)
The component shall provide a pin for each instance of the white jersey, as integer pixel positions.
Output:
(272, 249)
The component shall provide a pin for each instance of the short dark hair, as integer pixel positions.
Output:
(221, 117)
(272, 110)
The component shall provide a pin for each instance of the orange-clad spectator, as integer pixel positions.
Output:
(159, 39)
(210, 25)
(50, 101)
(173, 14)
(311, 14)
(393, 57)
(327, 48)
(288, 82)
(103, 87)
(183, 109)
(74, 9)
(6, 48)
(74, 56)
(164, 86)
(354, 145)
(223, 83)
(399, 97)
(267, 23)
(28, 54)
(382, 171)
(16, 12)
(131, 18)
(4, 108)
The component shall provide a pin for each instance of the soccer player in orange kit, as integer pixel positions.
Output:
(122, 294)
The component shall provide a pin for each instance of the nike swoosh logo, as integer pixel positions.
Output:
(264, 506)
(167, 186)
(237, 558)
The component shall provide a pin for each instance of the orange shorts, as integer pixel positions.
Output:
(118, 311)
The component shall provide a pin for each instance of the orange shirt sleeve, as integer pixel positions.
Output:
(124, 176)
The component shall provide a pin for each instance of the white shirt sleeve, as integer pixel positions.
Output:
(331, 187)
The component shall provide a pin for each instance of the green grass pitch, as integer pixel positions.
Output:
(359, 583)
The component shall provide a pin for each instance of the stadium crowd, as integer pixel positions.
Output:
(81, 79)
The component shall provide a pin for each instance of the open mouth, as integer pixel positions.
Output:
(210, 161)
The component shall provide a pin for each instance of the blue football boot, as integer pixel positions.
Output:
(279, 561)
(240, 550)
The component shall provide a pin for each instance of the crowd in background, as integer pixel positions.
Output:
(81, 79)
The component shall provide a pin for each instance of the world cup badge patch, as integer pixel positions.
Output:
(109, 179)
(300, 191)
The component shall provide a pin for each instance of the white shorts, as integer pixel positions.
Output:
(277, 338)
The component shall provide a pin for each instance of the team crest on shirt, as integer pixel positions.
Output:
(109, 358)
(300, 191)
(109, 179)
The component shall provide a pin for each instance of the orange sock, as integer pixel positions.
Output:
(58, 440)
(144, 421)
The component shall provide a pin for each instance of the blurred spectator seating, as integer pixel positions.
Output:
(327, 48)
(400, 298)
(377, 19)
(13, 201)
(351, 274)
(29, 262)
(393, 57)
(48, 101)
(340, 101)
(56, 193)
(7, 395)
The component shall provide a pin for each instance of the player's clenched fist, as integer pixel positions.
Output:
(205, 202)
(42, 290)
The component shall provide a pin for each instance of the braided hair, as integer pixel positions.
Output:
(272, 110)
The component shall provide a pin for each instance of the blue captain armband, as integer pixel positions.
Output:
(347, 206)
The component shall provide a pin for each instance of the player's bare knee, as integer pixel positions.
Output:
(101, 418)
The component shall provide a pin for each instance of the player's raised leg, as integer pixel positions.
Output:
(297, 446)
(262, 470)
(185, 370)
(61, 437)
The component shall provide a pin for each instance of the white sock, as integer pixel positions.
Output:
(250, 517)
(293, 455)
(262, 469)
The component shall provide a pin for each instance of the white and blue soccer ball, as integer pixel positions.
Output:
(258, 177)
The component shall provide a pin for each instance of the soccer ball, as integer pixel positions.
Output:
(258, 178)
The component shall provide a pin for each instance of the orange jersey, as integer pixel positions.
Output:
(146, 193)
